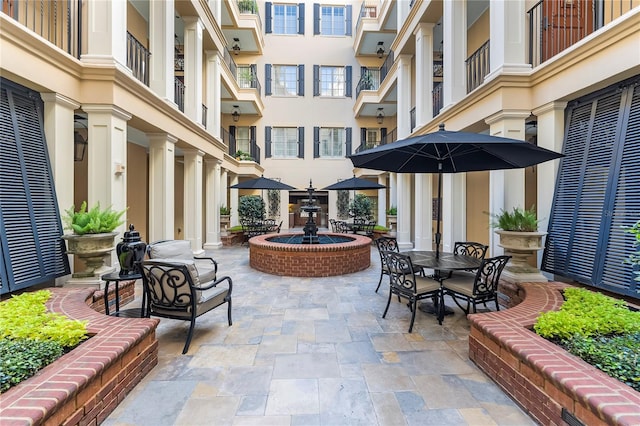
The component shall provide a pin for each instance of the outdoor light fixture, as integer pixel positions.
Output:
(380, 51)
(236, 45)
(380, 116)
(236, 113)
(79, 146)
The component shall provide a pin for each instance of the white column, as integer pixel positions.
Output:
(550, 135)
(454, 33)
(507, 186)
(213, 93)
(454, 207)
(424, 73)
(423, 210)
(393, 189)
(106, 27)
(403, 235)
(402, 11)
(508, 37)
(382, 201)
(107, 160)
(403, 125)
(193, 68)
(192, 210)
(233, 195)
(212, 208)
(161, 44)
(224, 180)
(161, 186)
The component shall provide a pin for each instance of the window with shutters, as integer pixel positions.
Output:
(285, 80)
(332, 20)
(285, 18)
(332, 142)
(284, 142)
(598, 192)
(30, 228)
(243, 139)
(332, 81)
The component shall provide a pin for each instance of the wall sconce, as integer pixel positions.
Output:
(79, 146)
(380, 51)
(236, 45)
(235, 113)
(380, 116)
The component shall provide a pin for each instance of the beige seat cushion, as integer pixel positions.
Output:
(173, 249)
(426, 285)
(462, 284)
(206, 270)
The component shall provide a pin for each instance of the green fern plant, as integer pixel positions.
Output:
(521, 220)
(93, 221)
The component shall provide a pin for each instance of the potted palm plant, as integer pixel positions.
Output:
(93, 235)
(520, 238)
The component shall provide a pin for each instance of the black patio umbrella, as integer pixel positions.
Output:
(262, 183)
(451, 152)
(354, 183)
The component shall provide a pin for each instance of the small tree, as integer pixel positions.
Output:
(251, 208)
(360, 207)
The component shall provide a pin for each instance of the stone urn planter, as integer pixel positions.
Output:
(92, 249)
(520, 245)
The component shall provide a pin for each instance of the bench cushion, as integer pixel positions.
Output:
(173, 249)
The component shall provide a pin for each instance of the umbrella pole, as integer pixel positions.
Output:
(438, 210)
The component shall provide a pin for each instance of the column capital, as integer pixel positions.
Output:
(111, 109)
(59, 99)
(506, 114)
(162, 137)
(423, 26)
(195, 152)
(551, 106)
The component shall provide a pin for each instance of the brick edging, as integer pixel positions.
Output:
(85, 385)
(542, 377)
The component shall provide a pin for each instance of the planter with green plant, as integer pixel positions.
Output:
(225, 218)
(93, 235)
(520, 238)
(392, 216)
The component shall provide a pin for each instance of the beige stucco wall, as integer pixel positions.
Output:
(137, 189)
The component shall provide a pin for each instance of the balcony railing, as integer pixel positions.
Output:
(58, 21)
(369, 80)
(229, 140)
(138, 59)
(367, 10)
(438, 101)
(392, 136)
(250, 7)
(555, 26)
(255, 151)
(231, 64)
(178, 86)
(370, 144)
(205, 110)
(386, 66)
(477, 67)
(247, 78)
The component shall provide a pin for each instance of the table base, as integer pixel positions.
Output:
(430, 308)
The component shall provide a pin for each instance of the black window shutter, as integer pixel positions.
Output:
(30, 227)
(267, 17)
(316, 142)
(301, 80)
(348, 145)
(348, 21)
(316, 18)
(301, 18)
(347, 88)
(363, 138)
(316, 80)
(254, 77)
(383, 135)
(300, 142)
(267, 142)
(267, 79)
(233, 146)
(255, 153)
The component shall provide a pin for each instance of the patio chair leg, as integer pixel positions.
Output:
(497, 304)
(379, 281)
(229, 312)
(413, 313)
(188, 342)
(388, 303)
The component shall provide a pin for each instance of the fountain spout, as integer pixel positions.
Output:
(310, 228)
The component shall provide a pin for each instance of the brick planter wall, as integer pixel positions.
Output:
(542, 377)
(85, 385)
(310, 260)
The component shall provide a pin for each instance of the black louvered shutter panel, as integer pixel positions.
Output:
(254, 77)
(347, 88)
(363, 138)
(301, 80)
(267, 17)
(316, 19)
(30, 227)
(383, 135)
(348, 144)
(267, 79)
(348, 22)
(255, 151)
(267, 142)
(300, 142)
(301, 18)
(316, 80)
(316, 142)
(233, 146)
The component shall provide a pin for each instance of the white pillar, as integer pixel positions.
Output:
(403, 234)
(508, 37)
(193, 68)
(107, 160)
(106, 27)
(192, 210)
(212, 208)
(382, 201)
(423, 195)
(161, 186)
(393, 189)
(213, 93)
(233, 195)
(454, 33)
(424, 73)
(550, 135)
(403, 125)
(506, 186)
(224, 181)
(454, 207)
(161, 44)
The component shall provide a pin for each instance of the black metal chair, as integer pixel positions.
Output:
(342, 227)
(385, 244)
(468, 248)
(173, 290)
(367, 229)
(405, 284)
(479, 288)
(332, 222)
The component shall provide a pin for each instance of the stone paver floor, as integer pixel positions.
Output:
(314, 351)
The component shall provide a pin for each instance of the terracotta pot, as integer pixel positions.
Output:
(91, 248)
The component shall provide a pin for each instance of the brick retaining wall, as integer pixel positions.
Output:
(85, 385)
(542, 377)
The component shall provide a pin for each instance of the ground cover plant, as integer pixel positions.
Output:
(600, 330)
(31, 338)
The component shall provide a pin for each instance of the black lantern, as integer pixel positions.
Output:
(130, 250)
(79, 146)
(380, 51)
(380, 116)
(235, 113)
(236, 46)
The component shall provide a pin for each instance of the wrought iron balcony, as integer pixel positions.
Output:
(138, 59)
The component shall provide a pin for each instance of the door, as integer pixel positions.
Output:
(564, 22)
